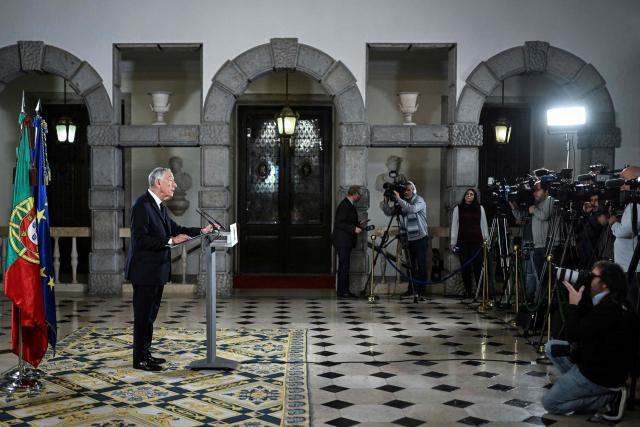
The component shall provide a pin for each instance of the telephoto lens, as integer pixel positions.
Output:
(575, 277)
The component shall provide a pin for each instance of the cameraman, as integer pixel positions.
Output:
(414, 210)
(597, 359)
(541, 218)
(623, 228)
(589, 231)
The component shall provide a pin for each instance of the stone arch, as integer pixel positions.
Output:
(231, 81)
(35, 56)
(580, 80)
(234, 76)
(105, 194)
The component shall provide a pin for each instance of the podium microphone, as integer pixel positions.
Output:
(211, 220)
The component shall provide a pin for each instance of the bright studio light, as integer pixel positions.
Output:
(566, 117)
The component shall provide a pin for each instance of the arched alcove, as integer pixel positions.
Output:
(25, 57)
(580, 81)
(231, 81)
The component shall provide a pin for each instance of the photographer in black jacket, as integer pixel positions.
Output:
(602, 343)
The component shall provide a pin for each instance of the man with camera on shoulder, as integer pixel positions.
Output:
(602, 343)
(541, 219)
(413, 210)
(623, 228)
(589, 230)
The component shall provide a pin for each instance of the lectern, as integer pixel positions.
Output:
(223, 240)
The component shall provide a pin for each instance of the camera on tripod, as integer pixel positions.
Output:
(520, 193)
(390, 187)
(617, 199)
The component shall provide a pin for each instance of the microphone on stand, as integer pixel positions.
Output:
(211, 220)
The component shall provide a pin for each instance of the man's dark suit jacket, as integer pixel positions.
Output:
(149, 258)
(345, 224)
(606, 336)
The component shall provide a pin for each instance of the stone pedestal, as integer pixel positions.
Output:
(598, 146)
(463, 166)
(215, 199)
(106, 260)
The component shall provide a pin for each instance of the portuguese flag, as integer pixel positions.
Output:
(22, 273)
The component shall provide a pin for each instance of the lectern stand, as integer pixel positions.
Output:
(223, 240)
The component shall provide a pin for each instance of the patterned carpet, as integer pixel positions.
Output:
(90, 382)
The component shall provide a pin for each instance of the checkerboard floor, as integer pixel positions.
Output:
(389, 363)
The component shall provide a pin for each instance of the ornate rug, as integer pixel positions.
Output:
(90, 382)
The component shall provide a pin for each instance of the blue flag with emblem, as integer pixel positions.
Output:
(44, 234)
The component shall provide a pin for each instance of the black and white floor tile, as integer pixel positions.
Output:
(384, 364)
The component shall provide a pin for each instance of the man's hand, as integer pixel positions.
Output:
(632, 172)
(531, 208)
(396, 195)
(613, 219)
(574, 296)
(209, 228)
(358, 230)
(180, 238)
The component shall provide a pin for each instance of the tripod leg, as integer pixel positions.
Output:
(482, 271)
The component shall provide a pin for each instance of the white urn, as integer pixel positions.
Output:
(408, 105)
(160, 105)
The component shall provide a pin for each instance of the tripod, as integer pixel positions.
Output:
(500, 231)
(402, 240)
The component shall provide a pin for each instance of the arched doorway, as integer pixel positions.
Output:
(35, 56)
(219, 139)
(579, 80)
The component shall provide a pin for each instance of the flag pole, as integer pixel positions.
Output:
(22, 379)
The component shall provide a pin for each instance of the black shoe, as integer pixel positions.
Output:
(156, 360)
(344, 296)
(352, 295)
(616, 407)
(408, 293)
(147, 366)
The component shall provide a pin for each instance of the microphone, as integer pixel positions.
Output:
(614, 183)
(211, 220)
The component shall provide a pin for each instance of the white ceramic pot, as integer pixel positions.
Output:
(408, 105)
(160, 105)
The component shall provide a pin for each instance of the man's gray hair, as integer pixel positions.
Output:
(157, 173)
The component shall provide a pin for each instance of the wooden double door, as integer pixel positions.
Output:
(284, 199)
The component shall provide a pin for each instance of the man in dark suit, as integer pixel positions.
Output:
(346, 228)
(149, 260)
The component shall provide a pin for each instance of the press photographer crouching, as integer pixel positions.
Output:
(413, 210)
(601, 345)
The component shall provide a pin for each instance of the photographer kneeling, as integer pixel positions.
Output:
(414, 210)
(597, 359)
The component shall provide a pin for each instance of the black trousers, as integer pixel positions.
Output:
(418, 255)
(146, 303)
(344, 265)
(471, 274)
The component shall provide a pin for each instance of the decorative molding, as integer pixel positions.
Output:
(31, 54)
(285, 53)
(465, 135)
(536, 55)
(610, 138)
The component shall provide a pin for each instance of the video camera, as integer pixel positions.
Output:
(396, 185)
(520, 193)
